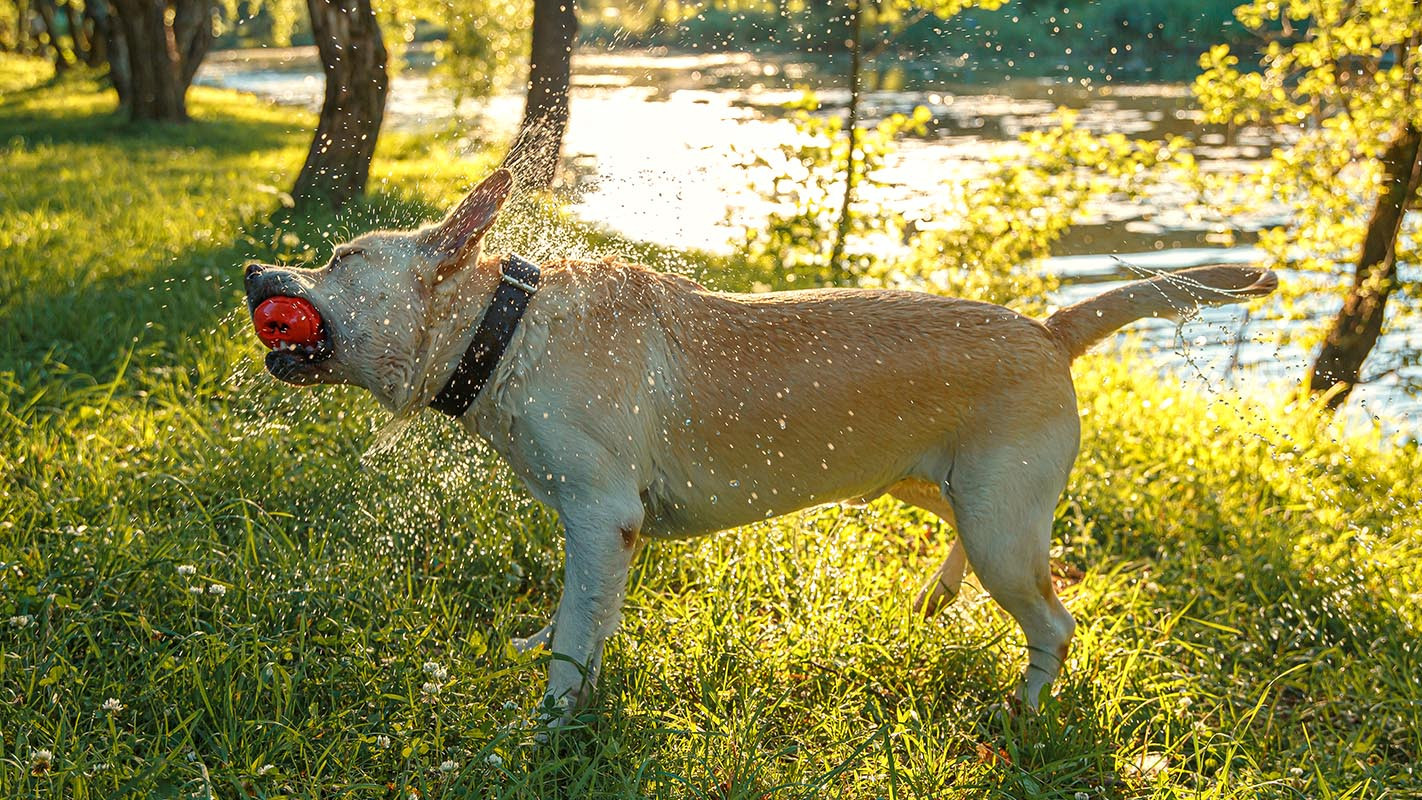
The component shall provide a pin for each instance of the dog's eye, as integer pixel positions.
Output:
(340, 257)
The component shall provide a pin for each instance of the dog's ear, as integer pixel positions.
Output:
(458, 235)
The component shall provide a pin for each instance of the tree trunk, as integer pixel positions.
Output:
(77, 34)
(192, 38)
(46, 11)
(99, 25)
(353, 57)
(538, 149)
(159, 55)
(1359, 323)
(22, 26)
(851, 170)
(120, 69)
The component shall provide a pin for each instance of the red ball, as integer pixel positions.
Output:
(282, 321)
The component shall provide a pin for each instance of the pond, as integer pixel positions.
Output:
(655, 141)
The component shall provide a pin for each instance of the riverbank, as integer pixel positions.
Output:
(208, 549)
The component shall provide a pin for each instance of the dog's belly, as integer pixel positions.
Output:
(695, 514)
(707, 495)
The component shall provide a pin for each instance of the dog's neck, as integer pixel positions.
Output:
(451, 312)
(518, 283)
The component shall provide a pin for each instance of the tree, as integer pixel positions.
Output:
(48, 16)
(354, 59)
(1344, 73)
(98, 27)
(852, 159)
(158, 47)
(890, 14)
(539, 145)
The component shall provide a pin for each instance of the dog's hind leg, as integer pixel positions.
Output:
(943, 586)
(1004, 502)
(945, 582)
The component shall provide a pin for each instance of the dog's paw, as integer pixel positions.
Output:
(554, 715)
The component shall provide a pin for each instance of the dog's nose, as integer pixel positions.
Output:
(253, 270)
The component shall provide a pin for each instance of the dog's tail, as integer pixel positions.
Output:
(1079, 326)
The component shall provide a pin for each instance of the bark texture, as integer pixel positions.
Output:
(1359, 323)
(49, 17)
(851, 126)
(354, 59)
(163, 44)
(99, 27)
(77, 32)
(539, 147)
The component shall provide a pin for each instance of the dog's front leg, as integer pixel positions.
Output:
(601, 538)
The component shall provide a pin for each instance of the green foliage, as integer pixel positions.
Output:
(808, 184)
(1340, 78)
(483, 44)
(1247, 586)
(1133, 39)
(255, 23)
(994, 227)
(1008, 219)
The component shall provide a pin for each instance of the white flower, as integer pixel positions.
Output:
(510, 705)
(195, 589)
(187, 569)
(431, 687)
(217, 589)
(265, 769)
(382, 741)
(1186, 702)
(494, 760)
(435, 671)
(41, 761)
(449, 766)
(112, 705)
(1082, 796)
(22, 621)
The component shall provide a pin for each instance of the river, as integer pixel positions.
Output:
(655, 141)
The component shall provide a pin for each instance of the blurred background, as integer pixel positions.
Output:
(870, 142)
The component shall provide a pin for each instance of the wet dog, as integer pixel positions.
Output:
(637, 404)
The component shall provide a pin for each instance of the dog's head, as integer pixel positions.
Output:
(378, 298)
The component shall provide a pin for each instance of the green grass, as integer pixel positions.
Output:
(1247, 585)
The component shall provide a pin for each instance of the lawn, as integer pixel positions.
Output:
(210, 586)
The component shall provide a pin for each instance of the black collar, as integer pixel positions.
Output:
(518, 282)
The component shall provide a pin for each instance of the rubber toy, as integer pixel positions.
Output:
(285, 321)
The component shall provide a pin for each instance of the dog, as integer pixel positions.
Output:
(638, 404)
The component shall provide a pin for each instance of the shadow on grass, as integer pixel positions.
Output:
(171, 311)
(33, 117)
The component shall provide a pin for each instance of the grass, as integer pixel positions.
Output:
(222, 557)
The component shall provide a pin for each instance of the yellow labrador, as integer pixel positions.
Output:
(636, 403)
